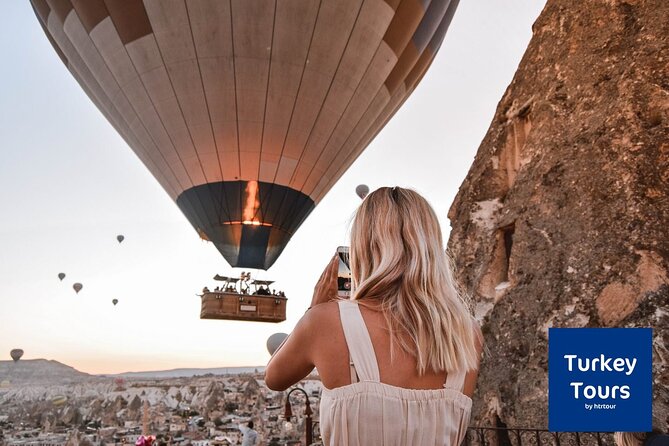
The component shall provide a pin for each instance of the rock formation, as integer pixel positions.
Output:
(563, 218)
(41, 371)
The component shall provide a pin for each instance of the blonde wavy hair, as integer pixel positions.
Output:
(398, 259)
(629, 438)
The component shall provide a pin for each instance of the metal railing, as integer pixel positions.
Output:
(502, 436)
(498, 436)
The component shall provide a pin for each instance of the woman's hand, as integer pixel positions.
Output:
(326, 288)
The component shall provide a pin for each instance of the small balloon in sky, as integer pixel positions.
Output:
(16, 354)
(275, 341)
(120, 238)
(61, 276)
(58, 400)
(77, 287)
(114, 301)
(362, 190)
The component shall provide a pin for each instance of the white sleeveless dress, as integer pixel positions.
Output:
(370, 413)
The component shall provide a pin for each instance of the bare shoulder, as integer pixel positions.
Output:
(328, 349)
(325, 308)
(322, 315)
(299, 353)
(323, 328)
(318, 319)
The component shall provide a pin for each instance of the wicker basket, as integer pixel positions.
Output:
(243, 307)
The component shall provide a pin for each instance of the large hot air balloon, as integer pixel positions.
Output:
(16, 354)
(114, 301)
(274, 342)
(362, 190)
(61, 276)
(247, 112)
(120, 238)
(77, 287)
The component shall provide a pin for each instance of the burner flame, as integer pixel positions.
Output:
(251, 205)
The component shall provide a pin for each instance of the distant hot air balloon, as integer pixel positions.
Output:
(274, 342)
(247, 112)
(16, 354)
(119, 383)
(58, 400)
(61, 276)
(362, 190)
(120, 238)
(77, 287)
(114, 301)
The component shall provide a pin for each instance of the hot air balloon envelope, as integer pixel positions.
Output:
(362, 190)
(16, 354)
(59, 400)
(114, 301)
(247, 112)
(77, 287)
(120, 238)
(61, 276)
(274, 342)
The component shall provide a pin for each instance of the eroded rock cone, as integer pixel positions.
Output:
(563, 218)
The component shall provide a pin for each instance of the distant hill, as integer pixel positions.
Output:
(41, 372)
(186, 373)
(50, 372)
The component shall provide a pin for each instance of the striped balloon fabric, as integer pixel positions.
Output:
(247, 111)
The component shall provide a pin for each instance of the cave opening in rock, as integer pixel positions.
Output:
(503, 438)
(498, 276)
(506, 239)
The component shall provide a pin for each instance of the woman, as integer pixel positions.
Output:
(399, 360)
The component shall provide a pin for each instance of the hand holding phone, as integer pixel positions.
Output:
(326, 288)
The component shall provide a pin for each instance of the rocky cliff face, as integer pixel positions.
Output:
(563, 219)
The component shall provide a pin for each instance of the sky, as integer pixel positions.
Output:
(69, 185)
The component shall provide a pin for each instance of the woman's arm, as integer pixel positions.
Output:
(293, 360)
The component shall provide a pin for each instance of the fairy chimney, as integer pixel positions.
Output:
(563, 218)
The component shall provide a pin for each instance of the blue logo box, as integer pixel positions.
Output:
(600, 379)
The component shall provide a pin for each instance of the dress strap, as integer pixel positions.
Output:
(455, 380)
(358, 341)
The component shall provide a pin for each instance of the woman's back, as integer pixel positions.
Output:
(399, 269)
(391, 404)
(331, 355)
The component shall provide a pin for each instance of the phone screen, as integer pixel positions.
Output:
(344, 275)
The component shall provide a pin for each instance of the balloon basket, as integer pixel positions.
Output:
(243, 307)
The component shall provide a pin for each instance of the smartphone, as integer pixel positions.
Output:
(344, 275)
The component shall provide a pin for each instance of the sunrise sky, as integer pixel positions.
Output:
(69, 185)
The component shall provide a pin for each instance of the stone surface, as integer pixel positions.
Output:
(563, 218)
